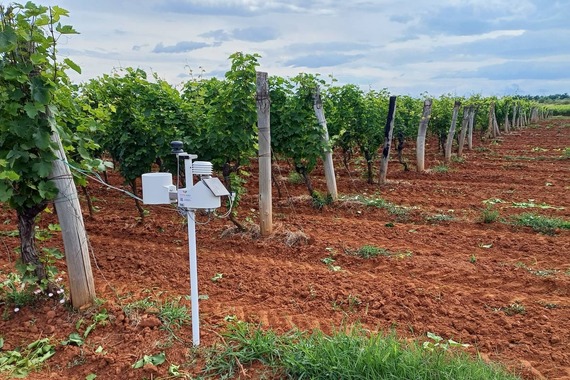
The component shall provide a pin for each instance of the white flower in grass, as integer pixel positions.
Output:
(17, 309)
(37, 291)
(58, 279)
(62, 300)
(50, 294)
(60, 291)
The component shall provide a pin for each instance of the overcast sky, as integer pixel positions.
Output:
(463, 47)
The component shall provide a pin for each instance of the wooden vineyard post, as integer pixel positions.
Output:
(470, 129)
(449, 142)
(327, 156)
(463, 132)
(388, 133)
(68, 208)
(264, 138)
(421, 140)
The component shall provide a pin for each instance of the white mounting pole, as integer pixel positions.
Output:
(193, 258)
(190, 214)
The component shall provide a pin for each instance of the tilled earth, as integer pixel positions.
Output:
(503, 289)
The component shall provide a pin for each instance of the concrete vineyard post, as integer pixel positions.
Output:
(388, 133)
(491, 132)
(421, 140)
(449, 142)
(506, 126)
(534, 115)
(470, 129)
(327, 156)
(496, 131)
(463, 131)
(81, 284)
(514, 122)
(264, 138)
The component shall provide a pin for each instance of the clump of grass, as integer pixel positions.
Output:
(442, 168)
(400, 212)
(319, 200)
(489, 215)
(171, 313)
(346, 354)
(514, 308)
(368, 251)
(436, 218)
(295, 178)
(540, 223)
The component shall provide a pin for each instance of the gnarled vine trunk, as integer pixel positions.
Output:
(26, 228)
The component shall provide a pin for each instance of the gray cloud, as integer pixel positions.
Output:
(529, 44)
(328, 47)
(252, 34)
(523, 70)
(204, 8)
(218, 35)
(322, 60)
(180, 47)
(255, 34)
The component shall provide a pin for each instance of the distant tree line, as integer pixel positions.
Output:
(555, 98)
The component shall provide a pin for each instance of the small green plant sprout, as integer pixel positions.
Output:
(329, 262)
(350, 305)
(514, 308)
(368, 251)
(566, 153)
(15, 293)
(473, 259)
(437, 218)
(489, 214)
(217, 277)
(541, 224)
(532, 204)
(436, 342)
(74, 339)
(19, 363)
(155, 360)
(493, 201)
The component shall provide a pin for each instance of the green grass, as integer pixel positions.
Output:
(400, 212)
(436, 218)
(295, 178)
(346, 354)
(540, 223)
(489, 215)
(171, 313)
(442, 168)
(369, 251)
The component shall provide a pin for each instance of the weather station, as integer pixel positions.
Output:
(158, 189)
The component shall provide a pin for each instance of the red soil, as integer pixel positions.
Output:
(449, 273)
